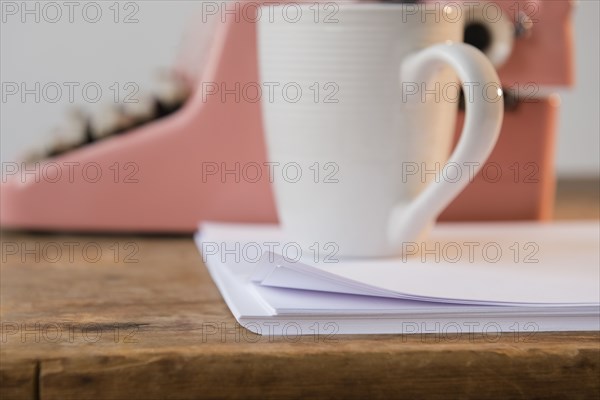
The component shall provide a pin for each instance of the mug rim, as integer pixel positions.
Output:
(354, 5)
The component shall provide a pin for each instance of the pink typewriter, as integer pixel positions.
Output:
(530, 42)
(153, 169)
(195, 151)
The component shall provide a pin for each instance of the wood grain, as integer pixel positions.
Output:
(139, 317)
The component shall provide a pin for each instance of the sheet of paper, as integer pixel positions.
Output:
(323, 310)
(501, 263)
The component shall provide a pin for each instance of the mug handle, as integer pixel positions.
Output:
(483, 119)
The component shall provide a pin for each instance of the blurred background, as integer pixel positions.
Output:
(132, 40)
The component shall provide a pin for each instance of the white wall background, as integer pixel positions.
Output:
(106, 52)
(578, 152)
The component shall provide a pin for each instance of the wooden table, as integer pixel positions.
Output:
(130, 317)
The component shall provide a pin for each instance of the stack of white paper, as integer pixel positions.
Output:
(467, 278)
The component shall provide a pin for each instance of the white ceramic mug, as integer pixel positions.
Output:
(344, 112)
